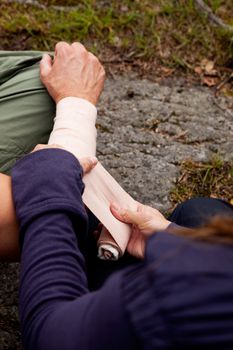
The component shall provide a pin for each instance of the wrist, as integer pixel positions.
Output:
(84, 97)
(71, 107)
(74, 126)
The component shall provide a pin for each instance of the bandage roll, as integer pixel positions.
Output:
(108, 249)
(101, 189)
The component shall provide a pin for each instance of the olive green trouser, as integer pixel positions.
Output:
(26, 109)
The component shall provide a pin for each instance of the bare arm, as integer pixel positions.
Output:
(9, 245)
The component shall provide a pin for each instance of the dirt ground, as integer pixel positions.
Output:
(145, 131)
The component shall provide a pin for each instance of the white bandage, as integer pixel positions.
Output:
(74, 126)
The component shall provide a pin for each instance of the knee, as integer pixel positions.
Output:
(205, 205)
(196, 211)
(197, 204)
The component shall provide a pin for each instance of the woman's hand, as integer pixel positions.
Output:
(87, 163)
(145, 221)
(74, 72)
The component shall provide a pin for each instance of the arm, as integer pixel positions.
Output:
(9, 245)
(84, 79)
(56, 309)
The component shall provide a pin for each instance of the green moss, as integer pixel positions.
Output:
(213, 179)
(173, 33)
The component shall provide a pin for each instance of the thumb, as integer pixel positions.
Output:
(88, 163)
(45, 65)
(126, 215)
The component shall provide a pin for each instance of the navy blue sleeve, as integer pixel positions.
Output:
(57, 311)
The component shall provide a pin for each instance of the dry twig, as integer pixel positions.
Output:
(212, 17)
(223, 83)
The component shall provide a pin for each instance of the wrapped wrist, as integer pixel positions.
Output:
(74, 126)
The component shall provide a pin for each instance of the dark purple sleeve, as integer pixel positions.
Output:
(56, 309)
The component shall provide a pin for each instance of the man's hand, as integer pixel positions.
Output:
(74, 72)
(145, 221)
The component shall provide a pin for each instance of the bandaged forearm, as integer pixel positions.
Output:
(74, 129)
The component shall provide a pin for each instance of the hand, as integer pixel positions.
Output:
(145, 221)
(87, 163)
(74, 72)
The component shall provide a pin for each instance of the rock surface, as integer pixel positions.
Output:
(145, 131)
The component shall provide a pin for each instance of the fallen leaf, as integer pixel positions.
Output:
(204, 63)
(167, 71)
(198, 70)
(209, 66)
(209, 81)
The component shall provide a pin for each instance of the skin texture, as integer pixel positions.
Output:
(78, 73)
(74, 72)
(9, 245)
(144, 222)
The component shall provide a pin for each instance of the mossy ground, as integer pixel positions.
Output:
(143, 34)
(213, 179)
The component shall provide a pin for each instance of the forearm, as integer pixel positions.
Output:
(74, 127)
(9, 238)
(56, 310)
(52, 274)
(52, 267)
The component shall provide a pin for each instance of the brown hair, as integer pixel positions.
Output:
(218, 230)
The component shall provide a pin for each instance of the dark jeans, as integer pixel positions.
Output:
(191, 213)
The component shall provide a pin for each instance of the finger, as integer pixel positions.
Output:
(45, 65)
(42, 146)
(55, 145)
(79, 47)
(88, 164)
(126, 215)
(38, 147)
(94, 59)
(62, 49)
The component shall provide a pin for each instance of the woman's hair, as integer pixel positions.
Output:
(218, 230)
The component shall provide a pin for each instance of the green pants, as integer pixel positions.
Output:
(26, 109)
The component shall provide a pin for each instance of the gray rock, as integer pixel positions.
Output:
(145, 131)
